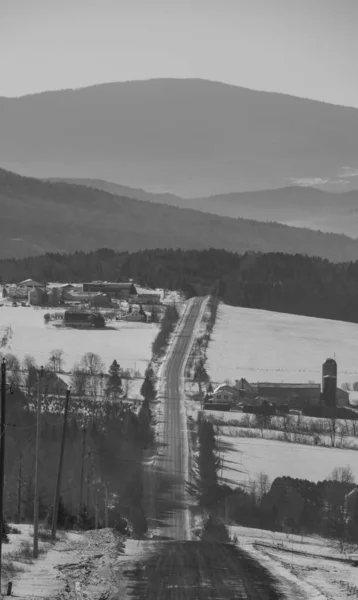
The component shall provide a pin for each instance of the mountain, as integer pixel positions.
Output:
(189, 137)
(124, 190)
(299, 206)
(40, 216)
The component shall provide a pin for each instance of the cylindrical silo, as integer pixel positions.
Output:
(329, 382)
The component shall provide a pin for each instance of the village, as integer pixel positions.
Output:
(85, 302)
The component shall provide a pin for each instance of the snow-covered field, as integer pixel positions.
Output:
(268, 346)
(128, 343)
(304, 577)
(245, 458)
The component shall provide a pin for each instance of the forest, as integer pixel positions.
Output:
(104, 442)
(289, 283)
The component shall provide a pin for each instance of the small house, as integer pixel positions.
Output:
(226, 394)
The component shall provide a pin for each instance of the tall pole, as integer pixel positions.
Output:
(59, 473)
(36, 495)
(106, 506)
(2, 453)
(82, 468)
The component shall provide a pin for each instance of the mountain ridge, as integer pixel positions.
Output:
(303, 206)
(190, 137)
(40, 216)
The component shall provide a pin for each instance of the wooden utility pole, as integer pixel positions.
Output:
(36, 498)
(82, 469)
(106, 505)
(59, 473)
(2, 453)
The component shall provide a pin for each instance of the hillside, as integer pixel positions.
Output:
(284, 283)
(189, 137)
(40, 216)
(298, 206)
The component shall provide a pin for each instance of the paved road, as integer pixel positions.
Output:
(198, 571)
(181, 568)
(170, 471)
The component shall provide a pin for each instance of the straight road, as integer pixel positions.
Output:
(181, 568)
(170, 470)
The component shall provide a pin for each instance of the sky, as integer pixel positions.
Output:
(305, 48)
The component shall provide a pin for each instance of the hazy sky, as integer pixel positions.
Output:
(302, 47)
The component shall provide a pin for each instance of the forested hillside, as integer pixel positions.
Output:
(40, 216)
(280, 282)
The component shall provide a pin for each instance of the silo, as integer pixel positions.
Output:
(329, 382)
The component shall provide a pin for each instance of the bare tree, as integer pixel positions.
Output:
(346, 386)
(57, 360)
(13, 366)
(342, 475)
(92, 363)
(332, 430)
(263, 484)
(79, 380)
(343, 431)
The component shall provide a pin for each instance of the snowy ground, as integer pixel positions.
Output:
(311, 577)
(128, 343)
(92, 561)
(244, 459)
(268, 346)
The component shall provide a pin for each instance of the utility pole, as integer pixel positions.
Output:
(106, 506)
(36, 498)
(82, 468)
(2, 453)
(59, 473)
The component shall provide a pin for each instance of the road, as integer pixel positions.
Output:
(169, 474)
(180, 567)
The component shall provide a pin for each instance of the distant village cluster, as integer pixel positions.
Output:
(281, 397)
(84, 301)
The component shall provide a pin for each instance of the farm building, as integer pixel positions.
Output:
(135, 317)
(83, 319)
(122, 291)
(147, 298)
(225, 393)
(37, 296)
(295, 395)
(342, 397)
(29, 284)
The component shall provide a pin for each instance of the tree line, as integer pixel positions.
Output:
(102, 467)
(290, 283)
(287, 504)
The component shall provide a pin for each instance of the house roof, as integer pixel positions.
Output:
(297, 386)
(224, 387)
(115, 283)
(31, 282)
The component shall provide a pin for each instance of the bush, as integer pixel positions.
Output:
(120, 525)
(215, 530)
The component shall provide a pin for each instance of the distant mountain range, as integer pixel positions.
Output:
(189, 137)
(41, 216)
(295, 205)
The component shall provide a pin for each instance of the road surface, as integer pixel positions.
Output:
(169, 473)
(180, 567)
(198, 571)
